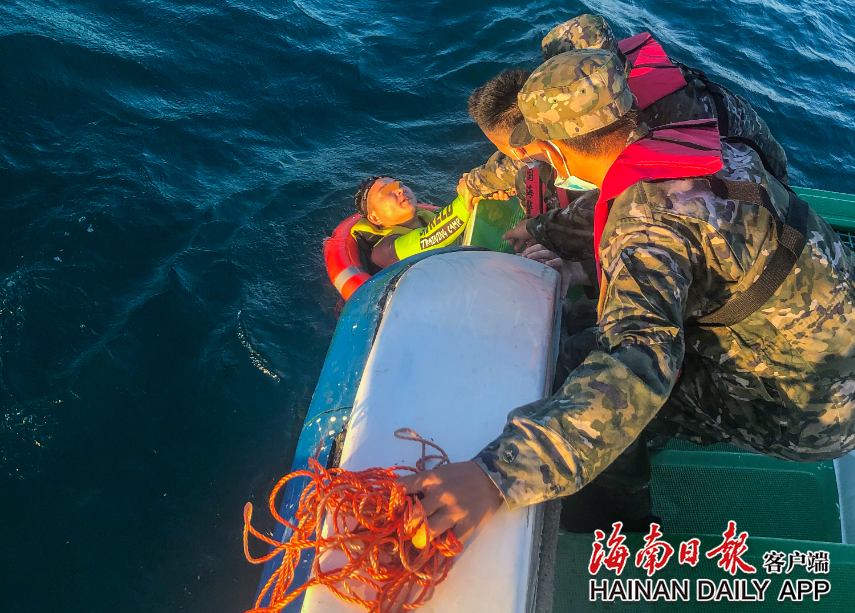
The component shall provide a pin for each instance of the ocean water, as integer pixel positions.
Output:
(168, 172)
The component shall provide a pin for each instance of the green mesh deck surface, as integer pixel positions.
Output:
(699, 491)
(848, 238)
(687, 446)
(572, 576)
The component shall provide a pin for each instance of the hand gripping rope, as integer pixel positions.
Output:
(373, 523)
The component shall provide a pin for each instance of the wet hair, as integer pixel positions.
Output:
(605, 140)
(360, 198)
(493, 106)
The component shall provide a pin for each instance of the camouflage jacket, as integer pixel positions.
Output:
(497, 174)
(502, 173)
(568, 232)
(677, 252)
(694, 101)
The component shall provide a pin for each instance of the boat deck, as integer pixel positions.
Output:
(783, 506)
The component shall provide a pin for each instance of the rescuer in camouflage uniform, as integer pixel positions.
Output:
(694, 101)
(780, 382)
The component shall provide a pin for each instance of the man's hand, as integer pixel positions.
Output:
(463, 192)
(458, 496)
(503, 194)
(461, 185)
(518, 236)
(571, 273)
(543, 255)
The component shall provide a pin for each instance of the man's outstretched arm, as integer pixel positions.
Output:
(555, 446)
(496, 174)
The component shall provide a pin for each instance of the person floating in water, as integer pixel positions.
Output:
(395, 225)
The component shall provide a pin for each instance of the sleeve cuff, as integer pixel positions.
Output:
(501, 463)
(536, 226)
(484, 464)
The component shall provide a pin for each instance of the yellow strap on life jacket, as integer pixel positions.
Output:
(444, 230)
(368, 232)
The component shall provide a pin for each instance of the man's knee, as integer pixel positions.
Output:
(578, 315)
(620, 493)
(573, 351)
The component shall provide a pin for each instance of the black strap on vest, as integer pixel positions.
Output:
(700, 123)
(652, 65)
(720, 106)
(651, 135)
(791, 243)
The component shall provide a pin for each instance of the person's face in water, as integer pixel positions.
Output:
(390, 203)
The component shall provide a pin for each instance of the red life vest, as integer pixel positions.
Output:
(692, 149)
(674, 151)
(653, 76)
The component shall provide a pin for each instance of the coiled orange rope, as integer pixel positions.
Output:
(372, 522)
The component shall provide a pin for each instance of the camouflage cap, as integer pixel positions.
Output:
(582, 32)
(572, 94)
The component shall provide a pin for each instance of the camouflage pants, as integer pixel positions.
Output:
(620, 492)
(709, 404)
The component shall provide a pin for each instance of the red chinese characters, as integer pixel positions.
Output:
(731, 550)
(655, 553)
(597, 555)
(690, 551)
(617, 555)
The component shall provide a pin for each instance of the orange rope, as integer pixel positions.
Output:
(372, 522)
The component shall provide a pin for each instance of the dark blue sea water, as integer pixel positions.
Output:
(168, 171)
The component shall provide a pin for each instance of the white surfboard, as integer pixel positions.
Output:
(465, 338)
